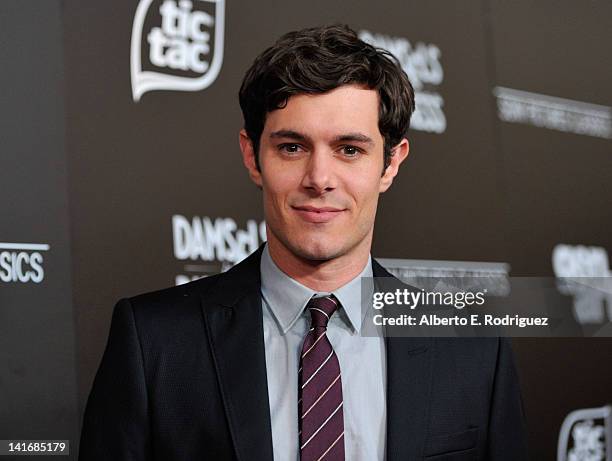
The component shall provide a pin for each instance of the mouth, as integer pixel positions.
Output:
(318, 215)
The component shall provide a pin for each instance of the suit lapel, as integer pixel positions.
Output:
(409, 379)
(409, 366)
(232, 310)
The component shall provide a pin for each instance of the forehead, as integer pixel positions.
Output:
(347, 108)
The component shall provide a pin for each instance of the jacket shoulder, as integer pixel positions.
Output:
(169, 309)
(175, 295)
(185, 302)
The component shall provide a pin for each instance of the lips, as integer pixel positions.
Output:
(318, 215)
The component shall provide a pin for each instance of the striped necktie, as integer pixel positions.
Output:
(320, 389)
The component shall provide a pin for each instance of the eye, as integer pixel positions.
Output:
(289, 148)
(351, 151)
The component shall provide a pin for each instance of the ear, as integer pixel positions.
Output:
(248, 158)
(398, 155)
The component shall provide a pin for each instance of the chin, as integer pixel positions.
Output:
(317, 250)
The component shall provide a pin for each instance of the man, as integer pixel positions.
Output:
(266, 361)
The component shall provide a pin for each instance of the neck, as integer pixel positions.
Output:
(327, 275)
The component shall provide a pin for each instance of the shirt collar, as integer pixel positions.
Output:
(287, 298)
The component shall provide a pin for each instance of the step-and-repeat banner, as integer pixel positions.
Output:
(121, 173)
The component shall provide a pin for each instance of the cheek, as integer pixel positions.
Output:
(276, 191)
(366, 192)
(281, 179)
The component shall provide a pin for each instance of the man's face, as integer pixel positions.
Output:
(321, 159)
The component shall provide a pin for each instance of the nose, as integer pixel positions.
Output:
(319, 175)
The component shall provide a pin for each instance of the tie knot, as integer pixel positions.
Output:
(321, 310)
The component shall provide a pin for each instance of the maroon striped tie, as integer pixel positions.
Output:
(320, 389)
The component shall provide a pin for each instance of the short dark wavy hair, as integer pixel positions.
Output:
(317, 60)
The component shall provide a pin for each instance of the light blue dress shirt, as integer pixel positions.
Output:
(362, 363)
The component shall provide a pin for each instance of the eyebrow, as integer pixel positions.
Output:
(354, 137)
(347, 137)
(290, 134)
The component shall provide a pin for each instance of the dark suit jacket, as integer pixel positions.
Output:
(183, 378)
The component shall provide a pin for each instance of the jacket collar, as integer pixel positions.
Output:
(234, 326)
(409, 377)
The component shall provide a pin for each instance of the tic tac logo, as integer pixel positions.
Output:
(218, 243)
(584, 272)
(22, 262)
(421, 62)
(176, 45)
(586, 435)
